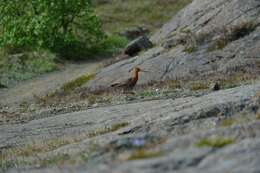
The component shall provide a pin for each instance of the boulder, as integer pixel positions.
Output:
(137, 45)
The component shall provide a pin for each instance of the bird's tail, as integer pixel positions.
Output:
(115, 85)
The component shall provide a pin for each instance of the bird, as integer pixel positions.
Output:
(216, 87)
(129, 83)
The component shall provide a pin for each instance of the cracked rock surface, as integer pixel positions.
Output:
(200, 25)
(186, 131)
(169, 130)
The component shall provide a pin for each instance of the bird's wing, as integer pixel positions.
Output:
(122, 83)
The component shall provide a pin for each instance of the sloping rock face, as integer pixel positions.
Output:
(207, 37)
(172, 130)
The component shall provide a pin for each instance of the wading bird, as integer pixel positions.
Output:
(130, 82)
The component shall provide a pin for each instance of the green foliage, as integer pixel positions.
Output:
(217, 142)
(62, 26)
(110, 45)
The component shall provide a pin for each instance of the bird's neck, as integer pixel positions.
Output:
(135, 75)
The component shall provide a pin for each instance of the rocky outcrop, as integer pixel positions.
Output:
(207, 37)
(173, 130)
(195, 131)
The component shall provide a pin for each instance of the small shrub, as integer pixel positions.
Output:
(64, 27)
(217, 142)
(71, 85)
(231, 34)
(241, 30)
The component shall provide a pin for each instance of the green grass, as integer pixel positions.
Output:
(147, 93)
(24, 66)
(59, 159)
(217, 142)
(71, 85)
(6, 164)
(236, 80)
(228, 122)
(22, 155)
(238, 119)
(195, 86)
(190, 49)
(121, 14)
(110, 46)
(218, 45)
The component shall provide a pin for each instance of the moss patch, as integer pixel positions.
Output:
(217, 142)
(258, 115)
(144, 154)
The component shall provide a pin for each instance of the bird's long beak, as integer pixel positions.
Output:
(144, 71)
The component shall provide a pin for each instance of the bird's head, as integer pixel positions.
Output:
(137, 69)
